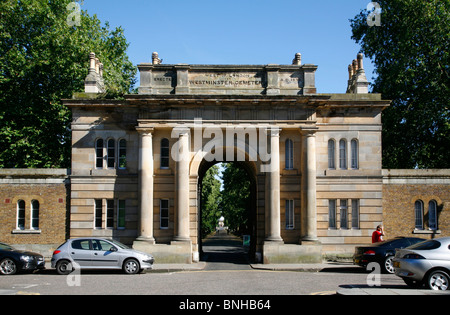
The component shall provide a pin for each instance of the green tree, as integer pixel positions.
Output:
(410, 51)
(44, 59)
(236, 198)
(210, 200)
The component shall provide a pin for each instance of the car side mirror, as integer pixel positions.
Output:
(113, 249)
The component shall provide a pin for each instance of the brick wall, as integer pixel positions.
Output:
(49, 188)
(402, 188)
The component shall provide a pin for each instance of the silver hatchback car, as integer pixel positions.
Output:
(425, 263)
(99, 253)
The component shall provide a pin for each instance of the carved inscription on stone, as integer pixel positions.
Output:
(227, 79)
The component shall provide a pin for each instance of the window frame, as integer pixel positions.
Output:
(418, 215)
(34, 215)
(289, 154)
(99, 149)
(122, 154)
(354, 152)
(343, 154)
(332, 154)
(121, 214)
(20, 215)
(164, 218)
(332, 215)
(164, 158)
(111, 153)
(434, 226)
(290, 214)
(98, 214)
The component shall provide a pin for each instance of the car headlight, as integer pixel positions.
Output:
(26, 258)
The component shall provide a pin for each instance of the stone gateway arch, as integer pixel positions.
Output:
(314, 159)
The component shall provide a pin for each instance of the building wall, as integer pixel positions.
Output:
(47, 186)
(401, 190)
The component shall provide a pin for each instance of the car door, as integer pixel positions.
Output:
(105, 255)
(81, 253)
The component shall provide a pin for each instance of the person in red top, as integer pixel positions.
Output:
(377, 236)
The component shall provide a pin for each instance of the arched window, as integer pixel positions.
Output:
(343, 154)
(432, 215)
(111, 153)
(355, 159)
(20, 215)
(99, 153)
(165, 153)
(331, 154)
(122, 154)
(289, 154)
(35, 215)
(418, 209)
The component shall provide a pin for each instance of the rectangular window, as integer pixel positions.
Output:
(355, 213)
(109, 213)
(344, 214)
(121, 215)
(98, 213)
(332, 213)
(164, 214)
(289, 214)
(289, 154)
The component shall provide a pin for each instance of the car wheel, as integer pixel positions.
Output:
(389, 265)
(8, 267)
(438, 280)
(131, 266)
(64, 267)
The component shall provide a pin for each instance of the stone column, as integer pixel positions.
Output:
(146, 183)
(274, 232)
(309, 186)
(181, 154)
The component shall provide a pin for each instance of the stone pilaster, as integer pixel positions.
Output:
(181, 155)
(309, 190)
(146, 184)
(274, 232)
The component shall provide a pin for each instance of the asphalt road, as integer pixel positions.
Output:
(227, 272)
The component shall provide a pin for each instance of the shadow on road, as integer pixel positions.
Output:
(225, 252)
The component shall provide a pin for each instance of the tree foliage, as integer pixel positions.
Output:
(411, 53)
(236, 198)
(210, 200)
(44, 59)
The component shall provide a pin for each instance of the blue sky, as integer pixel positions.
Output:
(240, 32)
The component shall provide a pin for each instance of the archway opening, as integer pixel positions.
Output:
(227, 212)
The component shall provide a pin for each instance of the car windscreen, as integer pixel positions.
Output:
(427, 245)
(119, 244)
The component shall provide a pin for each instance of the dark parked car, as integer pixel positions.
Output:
(382, 253)
(13, 261)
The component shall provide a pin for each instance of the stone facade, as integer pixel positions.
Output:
(314, 159)
(34, 208)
